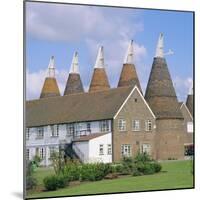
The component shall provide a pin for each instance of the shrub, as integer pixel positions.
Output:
(142, 157)
(31, 182)
(51, 182)
(72, 170)
(127, 165)
(157, 167)
(95, 171)
(62, 181)
(119, 168)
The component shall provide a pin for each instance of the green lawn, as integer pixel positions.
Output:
(174, 174)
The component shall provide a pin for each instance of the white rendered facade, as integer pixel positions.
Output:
(41, 140)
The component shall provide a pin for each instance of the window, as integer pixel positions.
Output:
(122, 125)
(136, 125)
(146, 148)
(101, 149)
(126, 150)
(41, 153)
(104, 125)
(190, 127)
(40, 133)
(52, 150)
(148, 125)
(54, 130)
(70, 129)
(27, 154)
(88, 126)
(27, 133)
(109, 149)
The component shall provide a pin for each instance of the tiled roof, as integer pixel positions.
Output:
(50, 88)
(160, 93)
(80, 107)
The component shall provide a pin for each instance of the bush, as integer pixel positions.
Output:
(119, 168)
(51, 182)
(127, 165)
(142, 157)
(62, 181)
(95, 171)
(31, 182)
(72, 170)
(157, 166)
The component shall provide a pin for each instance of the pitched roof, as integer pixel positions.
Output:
(129, 76)
(88, 106)
(99, 80)
(160, 93)
(189, 103)
(88, 137)
(50, 88)
(74, 84)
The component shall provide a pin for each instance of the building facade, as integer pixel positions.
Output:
(105, 124)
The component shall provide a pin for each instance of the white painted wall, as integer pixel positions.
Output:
(94, 149)
(90, 149)
(32, 143)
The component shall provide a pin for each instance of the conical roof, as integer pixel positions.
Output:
(50, 86)
(189, 102)
(160, 93)
(99, 79)
(74, 83)
(128, 75)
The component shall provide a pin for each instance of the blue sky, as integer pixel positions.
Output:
(59, 30)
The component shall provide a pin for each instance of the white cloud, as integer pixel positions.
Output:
(35, 81)
(93, 26)
(183, 87)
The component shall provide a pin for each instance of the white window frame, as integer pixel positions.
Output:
(121, 124)
(135, 125)
(52, 149)
(54, 130)
(40, 133)
(104, 125)
(101, 149)
(109, 149)
(27, 133)
(70, 129)
(42, 153)
(189, 127)
(126, 150)
(27, 154)
(148, 125)
(147, 150)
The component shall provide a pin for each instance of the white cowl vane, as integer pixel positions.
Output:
(129, 54)
(74, 66)
(100, 58)
(160, 46)
(51, 68)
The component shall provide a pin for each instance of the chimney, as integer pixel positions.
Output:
(99, 79)
(50, 87)
(74, 83)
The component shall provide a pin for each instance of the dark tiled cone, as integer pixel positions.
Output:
(160, 93)
(74, 84)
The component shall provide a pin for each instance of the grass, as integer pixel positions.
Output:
(174, 174)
